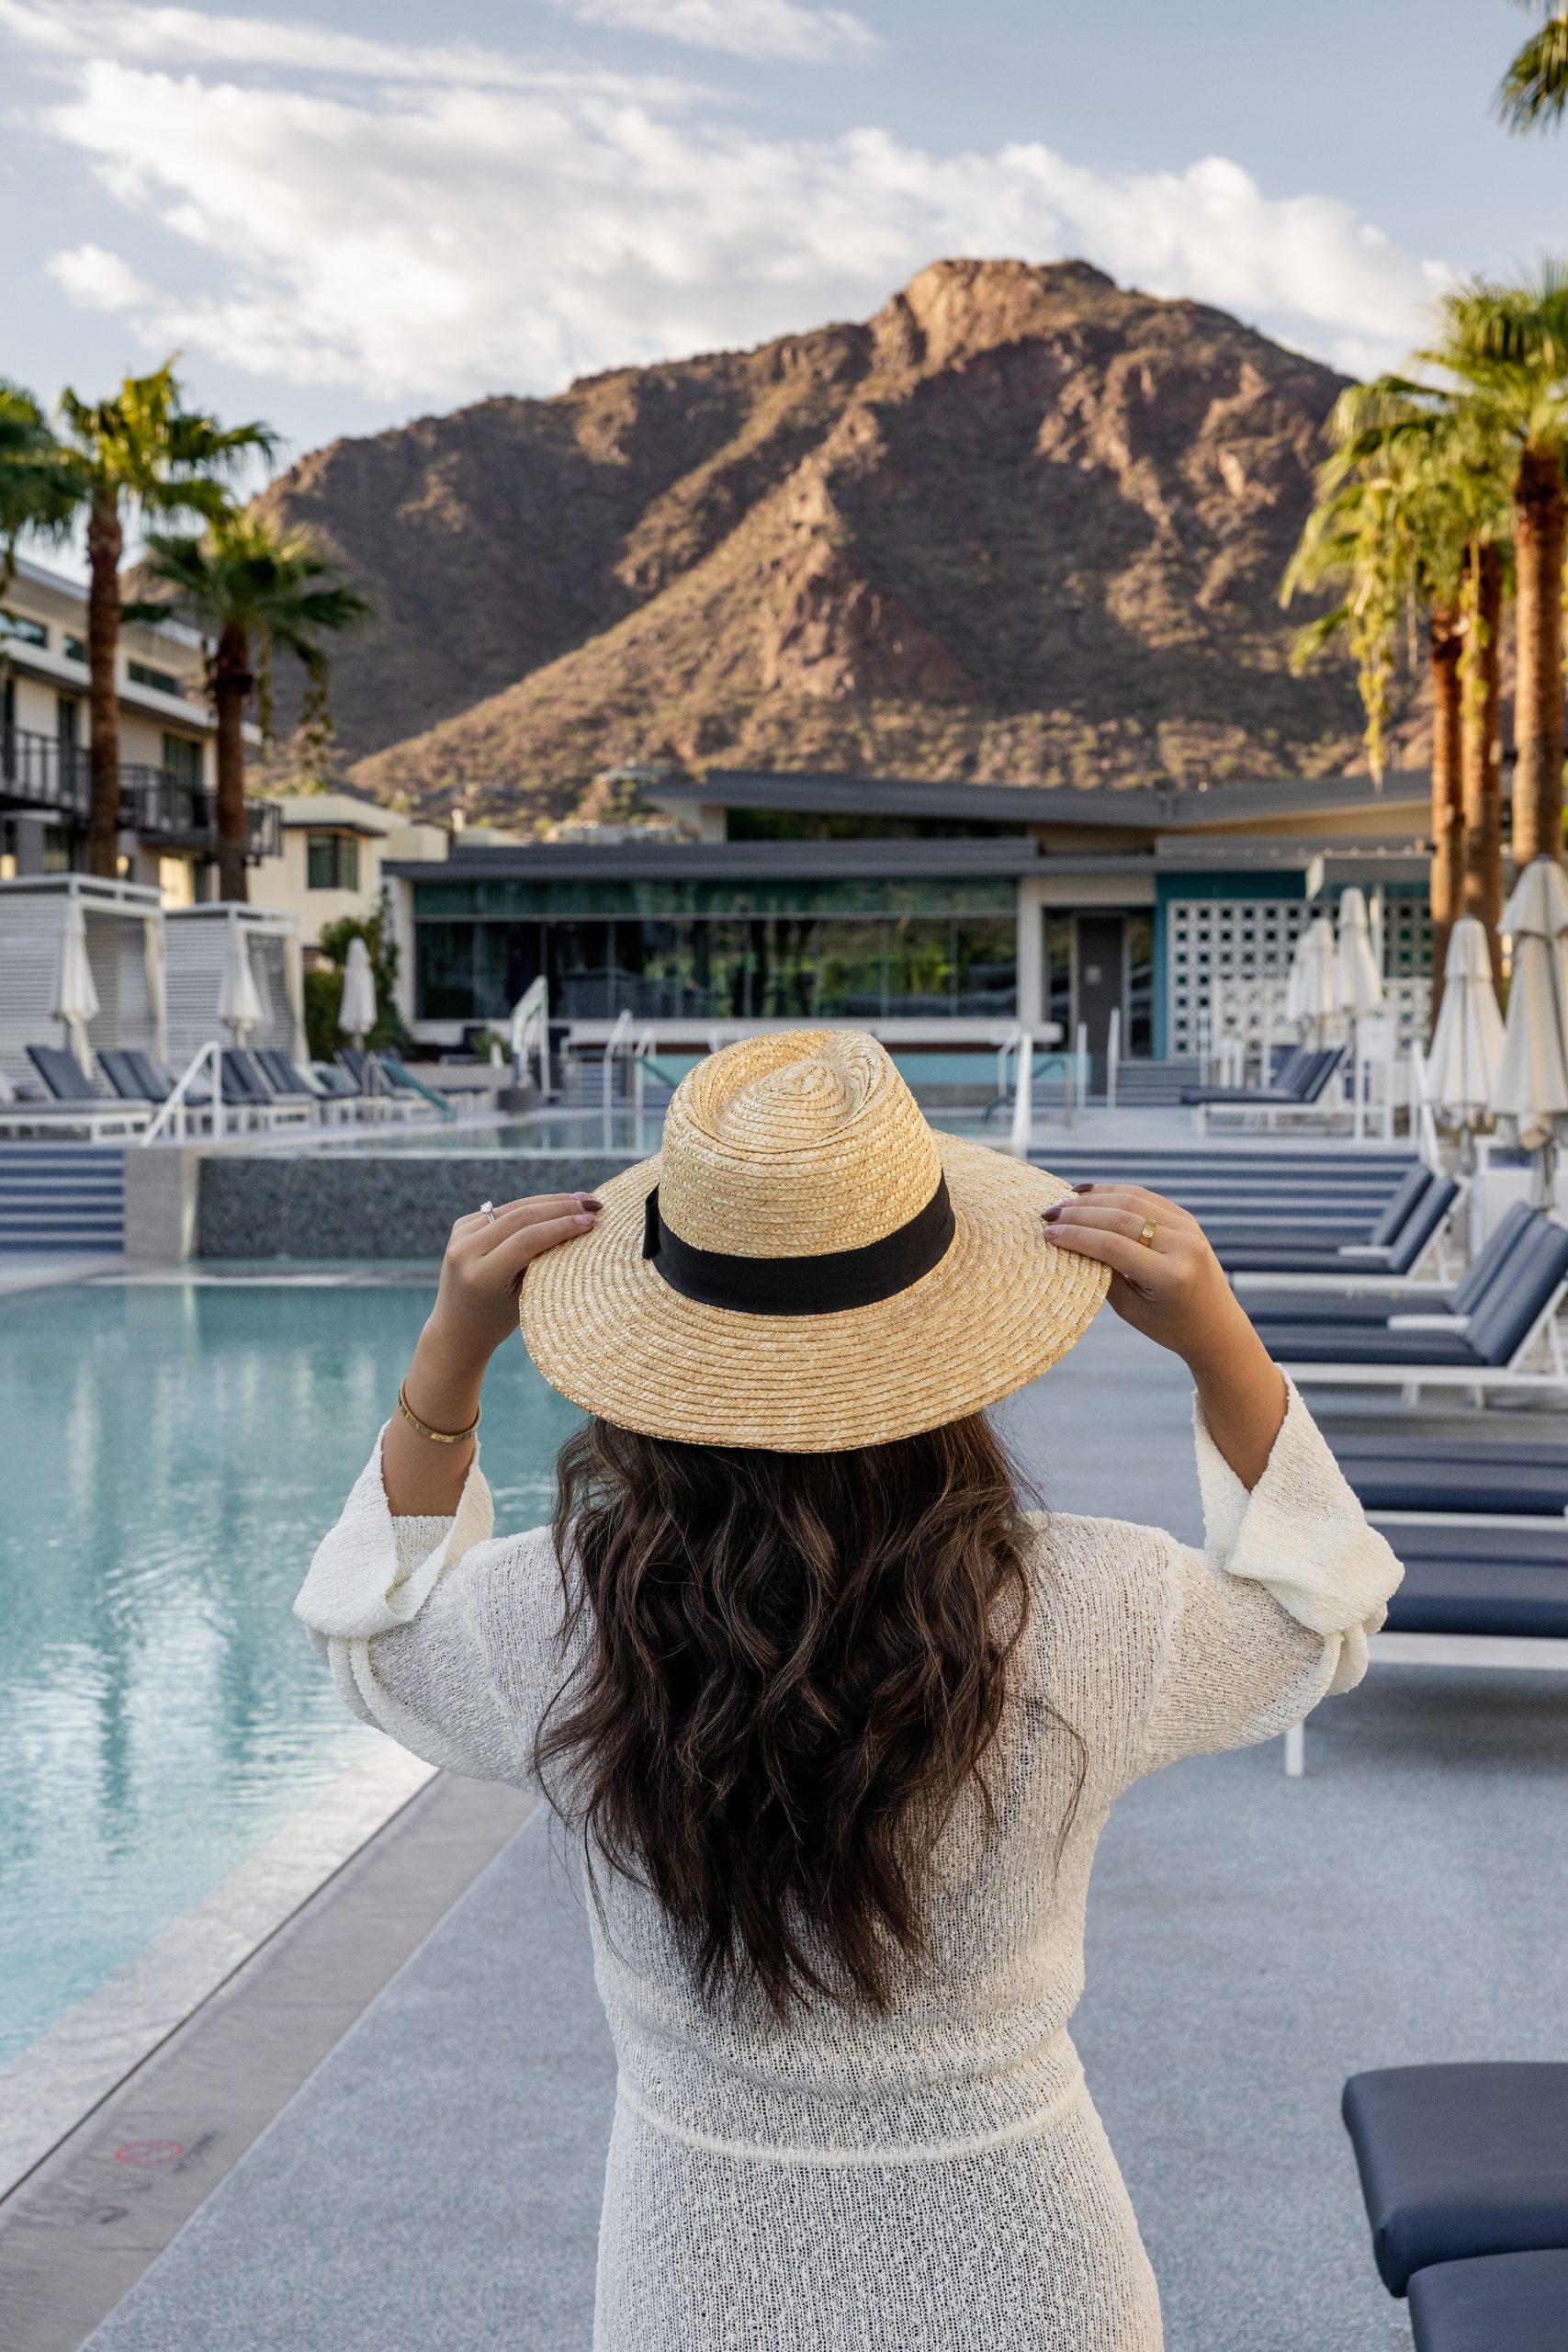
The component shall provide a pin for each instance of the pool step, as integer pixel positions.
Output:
(61, 1196)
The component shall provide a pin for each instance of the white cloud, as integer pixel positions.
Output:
(99, 280)
(430, 236)
(744, 27)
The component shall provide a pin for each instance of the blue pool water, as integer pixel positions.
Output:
(173, 1455)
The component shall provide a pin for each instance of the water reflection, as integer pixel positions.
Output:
(173, 1453)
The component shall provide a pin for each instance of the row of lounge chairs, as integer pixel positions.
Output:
(1464, 2172)
(260, 1086)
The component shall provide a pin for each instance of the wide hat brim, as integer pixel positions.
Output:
(1003, 1306)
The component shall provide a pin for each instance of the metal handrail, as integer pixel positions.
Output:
(529, 1030)
(1112, 1056)
(174, 1110)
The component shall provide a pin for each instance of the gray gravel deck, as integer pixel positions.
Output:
(434, 2186)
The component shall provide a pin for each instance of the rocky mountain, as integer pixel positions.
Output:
(1022, 525)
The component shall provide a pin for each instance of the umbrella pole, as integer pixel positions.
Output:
(1544, 1168)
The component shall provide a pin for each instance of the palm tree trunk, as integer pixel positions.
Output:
(1444, 645)
(1538, 630)
(231, 684)
(1480, 756)
(104, 548)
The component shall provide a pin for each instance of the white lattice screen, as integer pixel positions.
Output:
(1227, 961)
(1222, 945)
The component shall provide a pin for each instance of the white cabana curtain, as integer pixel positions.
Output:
(75, 997)
(239, 1003)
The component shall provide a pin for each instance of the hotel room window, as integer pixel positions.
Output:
(331, 861)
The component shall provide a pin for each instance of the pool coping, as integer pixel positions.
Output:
(56, 2082)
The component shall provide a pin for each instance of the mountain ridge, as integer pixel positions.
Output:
(1020, 526)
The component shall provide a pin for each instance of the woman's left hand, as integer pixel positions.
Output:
(1166, 1282)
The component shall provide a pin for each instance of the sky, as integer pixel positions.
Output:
(344, 216)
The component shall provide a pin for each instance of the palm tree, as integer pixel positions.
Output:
(1481, 747)
(251, 587)
(1506, 347)
(1398, 515)
(1534, 90)
(34, 493)
(139, 452)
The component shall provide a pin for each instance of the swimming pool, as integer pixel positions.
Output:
(173, 1453)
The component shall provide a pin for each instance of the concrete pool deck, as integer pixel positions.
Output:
(1252, 1940)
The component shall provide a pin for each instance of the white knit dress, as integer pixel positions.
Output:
(935, 2176)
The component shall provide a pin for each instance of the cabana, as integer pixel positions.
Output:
(196, 947)
(124, 926)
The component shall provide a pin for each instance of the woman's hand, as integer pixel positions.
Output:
(475, 1310)
(1174, 1290)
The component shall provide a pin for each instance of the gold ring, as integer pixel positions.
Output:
(1146, 1239)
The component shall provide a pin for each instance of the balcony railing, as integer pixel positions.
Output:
(38, 772)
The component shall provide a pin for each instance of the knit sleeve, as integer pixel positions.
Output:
(437, 1633)
(1274, 1614)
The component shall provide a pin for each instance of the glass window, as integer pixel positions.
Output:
(580, 971)
(331, 861)
(176, 881)
(182, 760)
(142, 674)
(852, 970)
(1060, 957)
(75, 648)
(985, 968)
(68, 720)
(1139, 1042)
(920, 968)
(25, 632)
(501, 901)
(57, 849)
(7, 849)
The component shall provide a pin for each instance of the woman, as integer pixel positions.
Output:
(838, 1721)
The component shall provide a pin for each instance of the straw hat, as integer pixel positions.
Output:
(805, 1266)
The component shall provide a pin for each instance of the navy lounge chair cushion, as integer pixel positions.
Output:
(1300, 1081)
(281, 1074)
(242, 1083)
(131, 1082)
(335, 1082)
(1355, 1344)
(1491, 1580)
(1457, 2161)
(62, 1074)
(1497, 2302)
(1322, 1252)
(1325, 1307)
(1396, 1472)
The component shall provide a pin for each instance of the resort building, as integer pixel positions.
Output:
(794, 898)
(168, 819)
(329, 850)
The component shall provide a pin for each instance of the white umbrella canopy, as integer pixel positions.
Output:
(1358, 986)
(1467, 1045)
(1310, 992)
(1532, 1079)
(358, 1012)
(239, 1006)
(75, 998)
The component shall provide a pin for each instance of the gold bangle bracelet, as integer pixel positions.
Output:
(440, 1437)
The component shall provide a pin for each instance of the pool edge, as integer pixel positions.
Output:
(54, 2084)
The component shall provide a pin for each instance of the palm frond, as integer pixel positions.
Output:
(1534, 90)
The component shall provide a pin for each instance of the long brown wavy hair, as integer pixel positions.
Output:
(793, 1667)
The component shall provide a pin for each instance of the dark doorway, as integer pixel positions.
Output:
(1102, 953)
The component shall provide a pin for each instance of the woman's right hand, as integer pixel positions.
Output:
(475, 1310)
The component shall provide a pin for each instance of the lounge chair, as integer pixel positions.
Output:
(1412, 1224)
(1429, 1350)
(1464, 2173)
(135, 1076)
(1287, 1085)
(1307, 1097)
(335, 1084)
(1374, 1301)
(245, 1090)
(377, 1084)
(74, 1106)
(1412, 1481)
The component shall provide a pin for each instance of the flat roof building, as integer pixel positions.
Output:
(791, 896)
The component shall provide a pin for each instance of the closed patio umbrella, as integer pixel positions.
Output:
(357, 1015)
(1531, 1090)
(239, 1006)
(1467, 1045)
(1312, 992)
(75, 998)
(1358, 986)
